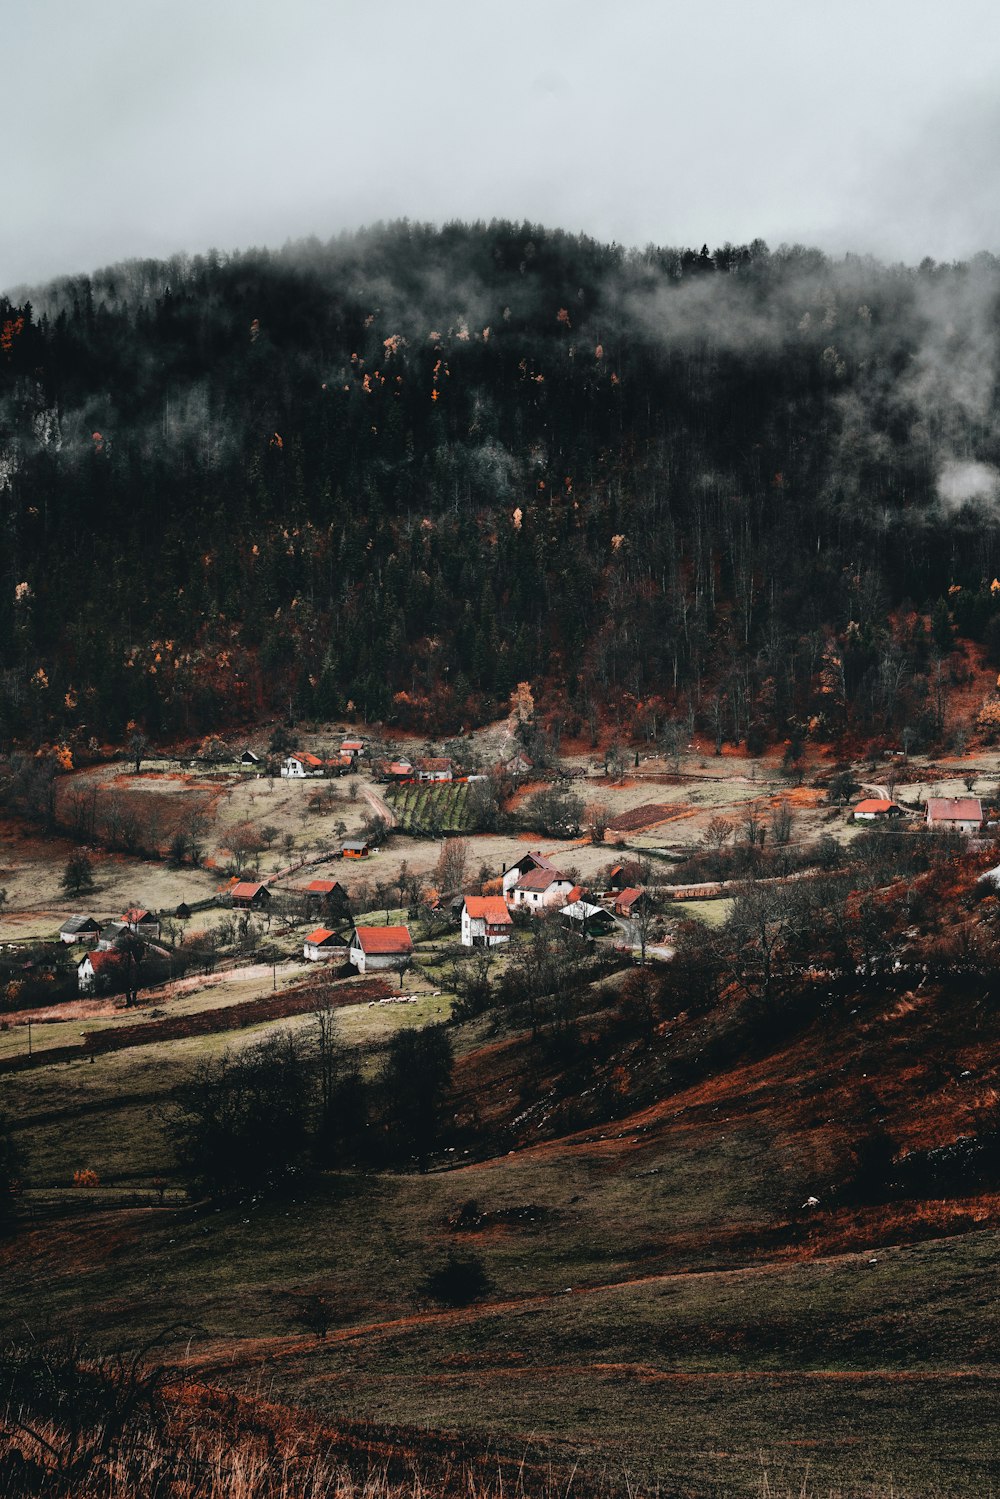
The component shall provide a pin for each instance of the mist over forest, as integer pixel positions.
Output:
(754, 490)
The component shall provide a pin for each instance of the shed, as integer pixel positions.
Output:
(250, 895)
(355, 848)
(324, 945)
(79, 929)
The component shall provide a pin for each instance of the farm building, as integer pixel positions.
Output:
(352, 748)
(249, 895)
(524, 866)
(79, 929)
(434, 768)
(486, 921)
(298, 766)
(109, 935)
(630, 901)
(540, 890)
(326, 892)
(876, 809)
(583, 916)
(375, 947)
(519, 765)
(143, 922)
(355, 848)
(324, 946)
(249, 759)
(955, 814)
(398, 770)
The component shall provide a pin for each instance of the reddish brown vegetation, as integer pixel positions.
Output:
(298, 1001)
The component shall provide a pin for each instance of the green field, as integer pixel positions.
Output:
(432, 809)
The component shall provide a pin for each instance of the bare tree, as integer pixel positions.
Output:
(138, 744)
(781, 823)
(450, 869)
(597, 816)
(717, 833)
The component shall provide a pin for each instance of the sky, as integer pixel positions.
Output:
(141, 128)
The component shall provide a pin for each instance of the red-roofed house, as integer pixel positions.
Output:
(524, 865)
(322, 945)
(296, 767)
(97, 969)
(143, 922)
(874, 808)
(955, 814)
(352, 748)
(486, 921)
(540, 890)
(249, 895)
(434, 768)
(380, 947)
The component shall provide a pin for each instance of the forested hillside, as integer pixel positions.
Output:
(407, 469)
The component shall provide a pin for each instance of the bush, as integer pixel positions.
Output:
(461, 1280)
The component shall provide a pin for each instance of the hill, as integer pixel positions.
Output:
(687, 1240)
(410, 468)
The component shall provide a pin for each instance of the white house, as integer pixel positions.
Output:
(434, 768)
(524, 865)
(93, 966)
(297, 767)
(540, 890)
(486, 921)
(375, 947)
(876, 809)
(144, 923)
(322, 945)
(955, 814)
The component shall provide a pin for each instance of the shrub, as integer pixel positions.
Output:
(460, 1280)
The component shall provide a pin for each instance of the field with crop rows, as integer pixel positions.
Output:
(426, 808)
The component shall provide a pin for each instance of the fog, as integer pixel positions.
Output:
(148, 129)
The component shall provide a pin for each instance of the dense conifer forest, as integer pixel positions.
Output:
(750, 490)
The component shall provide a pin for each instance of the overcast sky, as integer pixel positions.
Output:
(143, 128)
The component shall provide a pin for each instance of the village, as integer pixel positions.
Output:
(427, 869)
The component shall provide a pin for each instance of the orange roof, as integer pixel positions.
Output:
(954, 809)
(321, 887)
(306, 758)
(874, 804)
(539, 879)
(322, 934)
(135, 913)
(380, 940)
(246, 890)
(107, 959)
(489, 908)
(629, 896)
